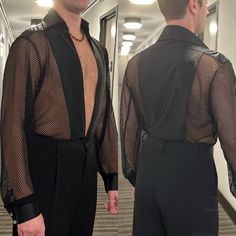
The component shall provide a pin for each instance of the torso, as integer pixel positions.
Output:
(90, 77)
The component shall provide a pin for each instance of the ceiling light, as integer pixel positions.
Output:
(127, 43)
(44, 3)
(133, 23)
(142, 2)
(125, 50)
(129, 36)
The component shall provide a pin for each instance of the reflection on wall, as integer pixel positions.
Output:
(108, 37)
(211, 28)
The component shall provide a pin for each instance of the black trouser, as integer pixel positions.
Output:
(176, 190)
(64, 175)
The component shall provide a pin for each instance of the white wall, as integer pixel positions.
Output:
(6, 35)
(227, 46)
(93, 17)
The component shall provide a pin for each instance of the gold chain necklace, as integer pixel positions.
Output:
(77, 39)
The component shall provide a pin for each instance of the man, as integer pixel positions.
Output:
(177, 97)
(57, 126)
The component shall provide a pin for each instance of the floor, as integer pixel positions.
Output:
(110, 225)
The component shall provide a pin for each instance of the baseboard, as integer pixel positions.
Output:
(227, 207)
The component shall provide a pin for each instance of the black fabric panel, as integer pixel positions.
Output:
(165, 86)
(99, 56)
(72, 77)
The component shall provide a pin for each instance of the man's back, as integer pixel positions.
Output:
(181, 91)
(177, 97)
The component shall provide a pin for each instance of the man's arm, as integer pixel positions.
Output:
(16, 188)
(129, 122)
(106, 133)
(223, 102)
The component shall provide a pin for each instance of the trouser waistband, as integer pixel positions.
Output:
(170, 144)
(62, 144)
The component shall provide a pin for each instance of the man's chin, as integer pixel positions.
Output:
(83, 6)
(77, 10)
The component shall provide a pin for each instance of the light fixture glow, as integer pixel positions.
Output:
(127, 43)
(44, 3)
(113, 31)
(142, 2)
(125, 50)
(213, 27)
(129, 36)
(2, 41)
(133, 23)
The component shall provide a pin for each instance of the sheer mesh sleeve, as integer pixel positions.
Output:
(15, 179)
(106, 132)
(223, 99)
(130, 128)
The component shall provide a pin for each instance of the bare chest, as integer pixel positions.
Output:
(88, 61)
(90, 77)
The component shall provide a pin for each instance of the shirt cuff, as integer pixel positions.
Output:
(24, 210)
(111, 181)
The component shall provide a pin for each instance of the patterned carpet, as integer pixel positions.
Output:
(108, 225)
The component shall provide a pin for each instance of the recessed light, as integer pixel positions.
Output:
(44, 3)
(129, 36)
(142, 2)
(133, 23)
(127, 43)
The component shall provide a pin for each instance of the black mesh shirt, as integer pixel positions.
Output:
(178, 90)
(43, 66)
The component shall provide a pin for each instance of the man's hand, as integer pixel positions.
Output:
(133, 193)
(34, 227)
(112, 203)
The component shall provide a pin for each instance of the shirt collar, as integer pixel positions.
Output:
(175, 32)
(52, 18)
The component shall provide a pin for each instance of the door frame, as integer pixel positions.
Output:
(102, 38)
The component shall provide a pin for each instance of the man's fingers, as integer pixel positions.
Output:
(20, 233)
(133, 193)
(41, 234)
(112, 203)
(106, 205)
(113, 206)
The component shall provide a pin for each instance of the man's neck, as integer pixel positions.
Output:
(186, 23)
(72, 20)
